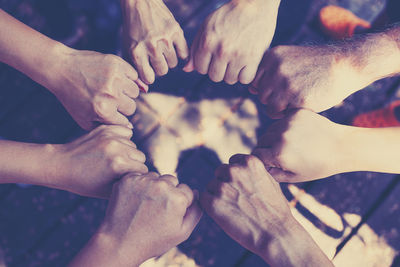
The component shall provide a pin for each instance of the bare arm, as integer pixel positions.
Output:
(93, 87)
(320, 77)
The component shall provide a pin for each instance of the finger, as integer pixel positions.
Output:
(181, 46)
(191, 218)
(281, 176)
(247, 74)
(172, 180)
(130, 166)
(222, 173)
(240, 159)
(255, 83)
(116, 118)
(130, 88)
(115, 130)
(190, 64)
(136, 155)
(130, 72)
(126, 105)
(159, 64)
(202, 61)
(217, 69)
(276, 105)
(265, 87)
(141, 61)
(267, 156)
(170, 56)
(142, 86)
(232, 73)
(185, 189)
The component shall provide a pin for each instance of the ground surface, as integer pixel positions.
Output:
(187, 125)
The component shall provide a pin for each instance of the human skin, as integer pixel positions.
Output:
(231, 42)
(248, 204)
(147, 215)
(153, 38)
(93, 87)
(305, 146)
(320, 77)
(87, 166)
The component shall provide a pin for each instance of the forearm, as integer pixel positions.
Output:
(376, 149)
(100, 251)
(294, 247)
(29, 51)
(374, 56)
(26, 163)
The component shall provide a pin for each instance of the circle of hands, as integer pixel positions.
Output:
(149, 213)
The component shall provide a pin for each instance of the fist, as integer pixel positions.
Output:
(91, 164)
(247, 203)
(98, 89)
(303, 146)
(315, 78)
(231, 42)
(148, 215)
(153, 38)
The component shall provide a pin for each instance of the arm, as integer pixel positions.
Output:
(247, 203)
(87, 166)
(147, 215)
(320, 77)
(231, 42)
(305, 146)
(92, 87)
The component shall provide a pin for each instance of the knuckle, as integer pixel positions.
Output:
(160, 186)
(152, 48)
(178, 200)
(117, 164)
(101, 107)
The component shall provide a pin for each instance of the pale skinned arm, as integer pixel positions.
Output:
(93, 87)
(320, 77)
(88, 166)
(305, 146)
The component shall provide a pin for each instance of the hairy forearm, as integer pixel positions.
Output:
(374, 56)
(294, 247)
(376, 149)
(26, 163)
(29, 51)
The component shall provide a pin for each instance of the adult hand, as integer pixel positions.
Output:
(304, 146)
(147, 215)
(315, 78)
(248, 204)
(153, 37)
(96, 88)
(91, 164)
(230, 44)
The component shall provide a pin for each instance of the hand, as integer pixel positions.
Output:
(249, 206)
(151, 32)
(315, 78)
(246, 202)
(147, 215)
(231, 42)
(91, 164)
(304, 146)
(96, 88)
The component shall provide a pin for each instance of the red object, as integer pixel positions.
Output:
(339, 23)
(384, 117)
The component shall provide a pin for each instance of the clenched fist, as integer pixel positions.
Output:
(304, 146)
(153, 38)
(96, 88)
(90, 165)
(231, 42)
(147, 215)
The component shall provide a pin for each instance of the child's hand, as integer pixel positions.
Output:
(305, 146)
(96, 88)
(91, 164)
(147, 215)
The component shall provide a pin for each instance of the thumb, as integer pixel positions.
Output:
(192, 217)
(189, 67)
